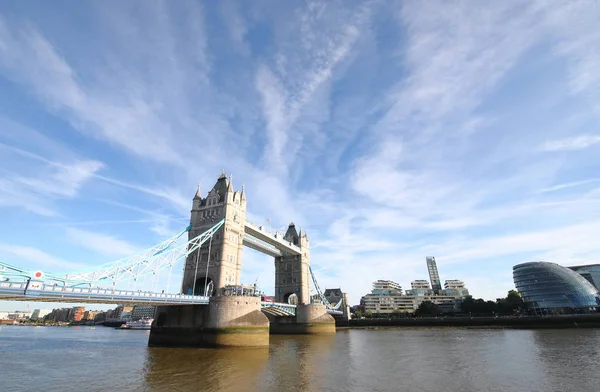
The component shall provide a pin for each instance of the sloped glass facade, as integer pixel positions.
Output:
(548, 285)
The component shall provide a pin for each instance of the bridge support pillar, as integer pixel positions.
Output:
(232, 321)
(311, 319)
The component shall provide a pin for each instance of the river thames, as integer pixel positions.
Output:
(445, 359)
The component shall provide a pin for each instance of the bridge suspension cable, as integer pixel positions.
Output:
(147, 262)
(324, 299)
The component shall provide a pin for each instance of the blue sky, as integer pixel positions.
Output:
(389, 130)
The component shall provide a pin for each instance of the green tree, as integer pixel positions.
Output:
(427, 309)
(511, 304)
(478, 306)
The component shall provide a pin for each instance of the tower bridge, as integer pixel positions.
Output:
(205, 313)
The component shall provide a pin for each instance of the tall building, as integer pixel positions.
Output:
(591, 272)
(434, 276)
(224, 265)
(550, 286)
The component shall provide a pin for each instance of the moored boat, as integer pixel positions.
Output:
(144, 323)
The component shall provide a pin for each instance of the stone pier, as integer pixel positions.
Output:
(311, 319)
(230, 321)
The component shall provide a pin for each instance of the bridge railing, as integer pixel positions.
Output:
(18, 287)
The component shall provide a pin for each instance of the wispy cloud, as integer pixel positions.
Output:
(236, 24)
(568, 185)
(29, 257)
(571, 143)
(119, 109)
(287, 89)
(101, 243)
(37, 189)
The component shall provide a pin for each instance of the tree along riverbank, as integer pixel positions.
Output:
(525, 322)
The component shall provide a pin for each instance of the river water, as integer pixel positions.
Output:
(415, 360)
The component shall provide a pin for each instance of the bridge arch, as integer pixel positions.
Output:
(291, 298)
(201, 282)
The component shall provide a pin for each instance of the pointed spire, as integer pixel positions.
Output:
(198, 192)
(243, 194)
(230, 185)
(223, 175)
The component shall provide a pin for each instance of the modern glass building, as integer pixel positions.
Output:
(545, 285)
(434, 276)
(591, 272)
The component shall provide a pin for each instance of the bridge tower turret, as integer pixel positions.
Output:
(292, 275)
(225, 263)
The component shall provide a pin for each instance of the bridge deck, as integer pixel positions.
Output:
(15, 291)
(40, 292)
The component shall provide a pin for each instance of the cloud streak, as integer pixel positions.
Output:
(571, 143)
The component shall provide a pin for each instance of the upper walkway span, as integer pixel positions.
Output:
(278, 246)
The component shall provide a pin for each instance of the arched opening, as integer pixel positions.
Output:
(204, 286)
(291, 298)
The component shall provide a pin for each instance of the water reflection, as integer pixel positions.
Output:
(204, 369)
(297, 363)
(569, 357)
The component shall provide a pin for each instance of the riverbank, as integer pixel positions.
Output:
(525, 322)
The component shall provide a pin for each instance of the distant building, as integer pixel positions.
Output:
(434, 276)
(388, 303)
(19, 315)
(455, 287)
(139, 312)
(76, 313)
(316, 299)
(39, 314)
(333, 295)
(386, 287)
(590, 272)
(100, 317)
(549, 286)
(419, 287)
(420, 284)
(58, 315)
(386, 297)
(121, 312)
(90, 315)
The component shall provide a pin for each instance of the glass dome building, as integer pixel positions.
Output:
(545, 285)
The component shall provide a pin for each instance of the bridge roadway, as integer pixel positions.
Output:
(40, 292)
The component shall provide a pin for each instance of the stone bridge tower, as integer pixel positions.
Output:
(225, 265)
(292, 275)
